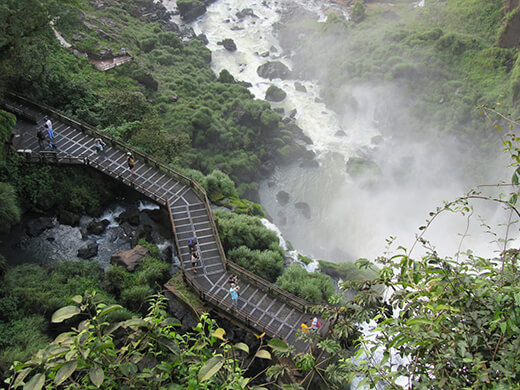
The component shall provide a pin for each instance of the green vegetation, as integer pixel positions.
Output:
(429, 65)
(57, 188)
(314, 287)
(166, 102)
(250, 244)
(138, 353)
(347, 271)
(29, 294)
(9, 210)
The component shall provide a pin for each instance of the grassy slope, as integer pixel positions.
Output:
(442, 57)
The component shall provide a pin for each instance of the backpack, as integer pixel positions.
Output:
(318, 324)
(192, 241)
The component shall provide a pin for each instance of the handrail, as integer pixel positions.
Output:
(220, 304)
(300, 303)
(201, 193)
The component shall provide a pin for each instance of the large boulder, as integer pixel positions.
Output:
(304, 208)
(35, 227)
(130, 216)
(273, 70)
(130, 258)
(282, 197)
(66, 217)
(275, 94)
(228, 44)
(190, 9)
(245, 13)
(97, 227)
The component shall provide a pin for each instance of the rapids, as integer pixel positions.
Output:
(349, 218)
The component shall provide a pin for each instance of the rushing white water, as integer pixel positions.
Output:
(349, 219)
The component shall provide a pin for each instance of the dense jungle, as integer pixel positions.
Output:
(401, 320)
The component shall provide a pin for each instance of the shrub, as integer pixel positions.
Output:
(134, 297)
(314, 287)
(244, 230)
(266, 264)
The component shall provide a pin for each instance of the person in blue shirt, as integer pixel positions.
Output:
(233, 290)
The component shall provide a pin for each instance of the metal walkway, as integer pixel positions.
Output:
(262, 306)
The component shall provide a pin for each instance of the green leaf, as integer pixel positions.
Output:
(210, 368)
(278, 345)
(108, 309)
(36, 382)
(241, 346)
(77, 299)
(65, 313)
(65, 371)
(263, 354)
(21, 376)
(96, 375)
(219, 333)
(135, 322)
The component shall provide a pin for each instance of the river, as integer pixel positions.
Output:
(349, 218)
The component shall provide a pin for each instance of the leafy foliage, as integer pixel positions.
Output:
(9, 209)
(145, 352)
(314, 287)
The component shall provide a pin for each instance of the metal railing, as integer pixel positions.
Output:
(289, 298)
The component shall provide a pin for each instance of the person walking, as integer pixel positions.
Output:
(192, 245)
(131, 162)
(233, 290)
(194, 261)
(48, 127)
(100, 146)
(41, 138)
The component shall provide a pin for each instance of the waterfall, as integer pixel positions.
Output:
(349, 218)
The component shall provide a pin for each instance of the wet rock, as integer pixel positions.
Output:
(279, 110)
(340, 133)
(245, 13)
(267, 168)
(130, 258)
(275, 94)
(273, 70)
(35, 227)
(299, 87)
(298, 133)
(203, 38)
(189, 11)
(167, 254)
(131, 216)
(146, 233)
(304, 208)
(292, 113)
(68, 218)
(97, 227)
(358, 166)
(228, 44)
(283, 198)
(179, 310)
(89, 251)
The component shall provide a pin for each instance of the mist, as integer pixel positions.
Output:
(352, 217)
(420, 164)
